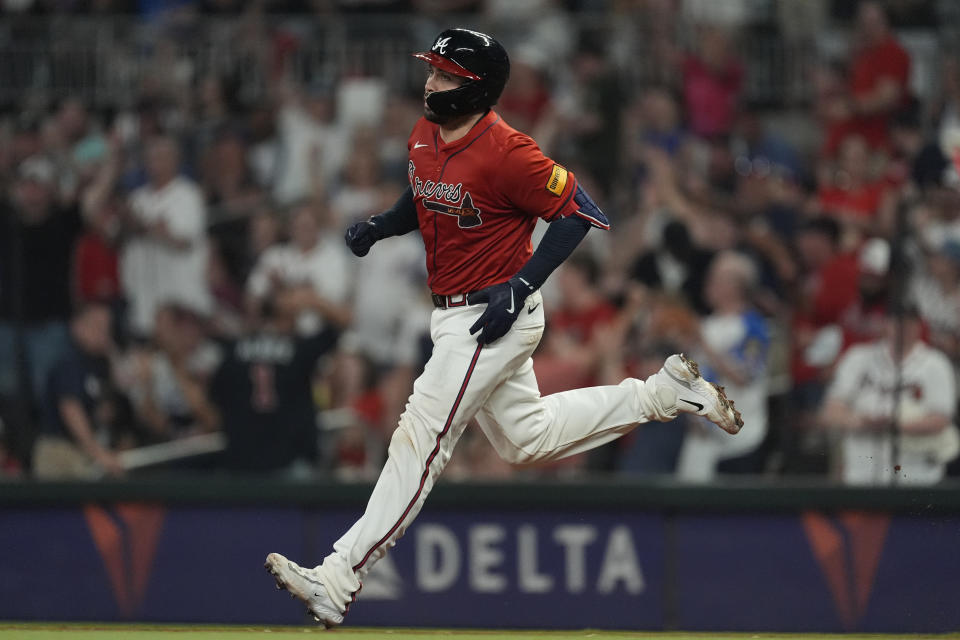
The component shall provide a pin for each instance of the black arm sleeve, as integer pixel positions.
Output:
(399, 219)
(561, 238)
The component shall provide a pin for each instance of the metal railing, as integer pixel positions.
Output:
(108, 62)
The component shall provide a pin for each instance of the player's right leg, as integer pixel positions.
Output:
(453, 386)
(524, 427)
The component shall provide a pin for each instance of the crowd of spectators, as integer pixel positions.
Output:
(174, 266)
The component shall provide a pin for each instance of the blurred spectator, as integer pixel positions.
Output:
(169, 391)
(712, 83)
(214, 116)
(731, 348)
(827, 287)
(168, 74)
(544, 25)
(918, 162)
(758, 150)
(263, 232)
(73, 143)
(591, 115)
(862, 399)
(313, 266)
(263, 391)
(227, 180)
(935, 217)
(946, 105)
(358, 196)
(227, 315)
(660, 120)
(653, 121)
(865, 319)
(311, 147)
(860, 202)
(36, 243)
(399, 113)
(76, 442)
(264, 146)
(569, 355)
(830, 96)
(360, 103)
(526, 99)
(165, 259)
(96, 257)
(878, 82)
(391, 316)
(25, 139)
(936, 289)
(676, 267)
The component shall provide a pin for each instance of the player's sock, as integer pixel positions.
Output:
(342, 583)
(307, 585)
(666, 399)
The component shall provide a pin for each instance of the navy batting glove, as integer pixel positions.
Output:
(361, 236)
(504, 302)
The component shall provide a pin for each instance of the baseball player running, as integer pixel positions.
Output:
(477, 187)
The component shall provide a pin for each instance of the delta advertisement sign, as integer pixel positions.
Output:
(596, 569)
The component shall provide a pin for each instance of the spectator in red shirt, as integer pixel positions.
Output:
(828, 287)
(569, 355)
(95, 274)
(712, 83)
(878, 81)
(526, 100)
(852, 196)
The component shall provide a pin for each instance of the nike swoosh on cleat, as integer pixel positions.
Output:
(696, 404)
(533, 308)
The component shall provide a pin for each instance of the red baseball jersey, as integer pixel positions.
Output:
(478, 199)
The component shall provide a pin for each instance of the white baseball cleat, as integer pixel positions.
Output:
(305, 585)
(698, 396)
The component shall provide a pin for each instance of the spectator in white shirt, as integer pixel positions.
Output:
(731, 347)
(311, 147)
(860, 406)
(165, 260)
(936, 288)
(312, 271)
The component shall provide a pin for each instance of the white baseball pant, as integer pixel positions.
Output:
(496, 384)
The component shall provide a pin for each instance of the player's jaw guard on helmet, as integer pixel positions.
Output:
(472, 55)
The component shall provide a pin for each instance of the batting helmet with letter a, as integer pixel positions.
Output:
(472, 55)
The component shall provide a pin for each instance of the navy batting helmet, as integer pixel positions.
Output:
(472, 55)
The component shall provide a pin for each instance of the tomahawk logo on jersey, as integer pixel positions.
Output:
(468, 203)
